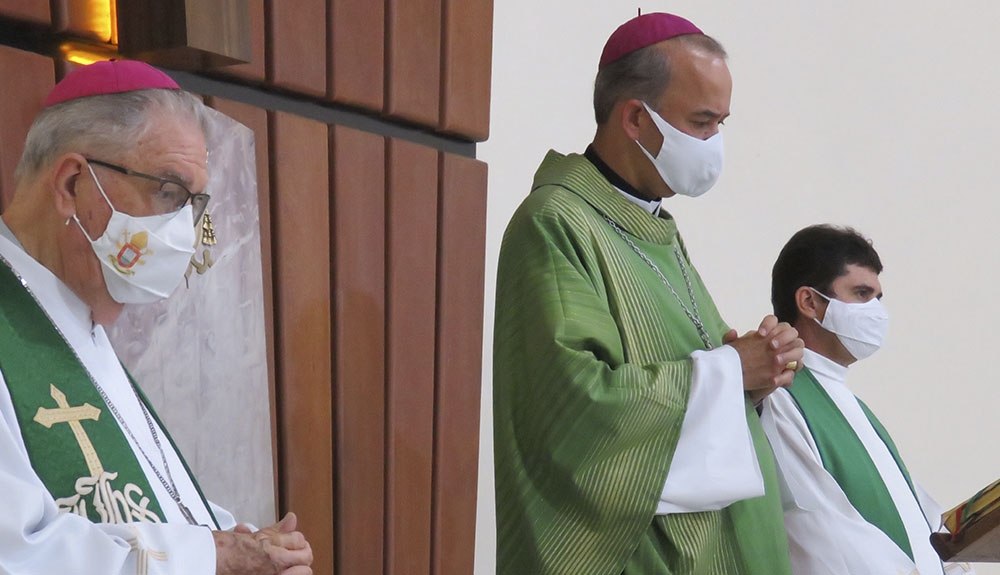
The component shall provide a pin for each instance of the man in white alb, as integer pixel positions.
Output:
(107, 194)
(851, 507)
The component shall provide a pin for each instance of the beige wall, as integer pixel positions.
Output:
(876, 115)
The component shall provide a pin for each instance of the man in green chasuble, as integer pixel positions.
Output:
(851, 507)
(626, 439)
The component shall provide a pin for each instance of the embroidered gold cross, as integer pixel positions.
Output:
(73, 416)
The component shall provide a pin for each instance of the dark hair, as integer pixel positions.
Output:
(815, 257)
(643, 75)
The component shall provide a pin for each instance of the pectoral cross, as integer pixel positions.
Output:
(73, 416)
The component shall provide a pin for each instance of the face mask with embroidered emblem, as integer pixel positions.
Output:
(688, 165)
(860, 327)
(143, 259)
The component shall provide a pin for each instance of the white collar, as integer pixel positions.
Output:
(824, 368)
(5, 232)
(651, 206)
(46, 287)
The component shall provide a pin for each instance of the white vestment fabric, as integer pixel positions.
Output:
(826, 534)
(715, 464)
(35, 537)
(651, 206)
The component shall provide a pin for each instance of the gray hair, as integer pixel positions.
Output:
(107, 125)
(643, 75)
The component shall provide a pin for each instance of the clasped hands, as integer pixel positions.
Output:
(275, 550)
(766, 355)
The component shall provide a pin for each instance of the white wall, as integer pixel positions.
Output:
(875, 115)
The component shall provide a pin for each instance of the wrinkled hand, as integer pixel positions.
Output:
(275, 550)
(765, 354)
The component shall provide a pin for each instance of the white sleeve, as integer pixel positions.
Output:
(36, 538)
(826, 534)
(715, 463)
(224, 517)
(931, 508)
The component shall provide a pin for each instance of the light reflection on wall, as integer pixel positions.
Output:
(80, 56)
(100, 18)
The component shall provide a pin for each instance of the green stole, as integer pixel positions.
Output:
(75, 445)
(846, 459)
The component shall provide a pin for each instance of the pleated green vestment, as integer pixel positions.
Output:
(591, 375)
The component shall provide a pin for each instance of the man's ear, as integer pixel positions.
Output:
(65, 174)
(630, 114)
(808, 303)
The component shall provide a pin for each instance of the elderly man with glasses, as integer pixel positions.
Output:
(108, 192)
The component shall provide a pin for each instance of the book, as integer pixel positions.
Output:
(974, 529)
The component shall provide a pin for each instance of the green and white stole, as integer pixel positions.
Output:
(75, 445)
(846, 459)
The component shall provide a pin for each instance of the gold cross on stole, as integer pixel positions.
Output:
(73, 416)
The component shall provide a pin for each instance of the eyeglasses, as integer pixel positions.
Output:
(171, 196)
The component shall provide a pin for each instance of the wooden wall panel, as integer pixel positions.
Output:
(185, 34)
(20, 101)
(373, 261)
(411, 254)
(356, 58)
(255, 69)
(84, 18)
(256, 120)
(34, 11)
(296, 45)
(461, 253)
(301, 254)
(465, 76)
(413, 60)
(358, 183)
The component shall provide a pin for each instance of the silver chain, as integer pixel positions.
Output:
(692, 312)
(168, 482)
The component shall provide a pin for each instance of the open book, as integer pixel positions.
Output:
(974, 527)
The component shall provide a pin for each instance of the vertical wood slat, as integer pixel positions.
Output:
(296, 33)
(20, 101)
(221, 27)
(358, 214)
(413, 60)
(84, 18)
(256, 120)
(357, 45)
(301, 257)
(411, 284)
(465, 68)
(461, 253)
(255, 69)
(34, 11)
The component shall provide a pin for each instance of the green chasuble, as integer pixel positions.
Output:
(844, 456)
(591, 376)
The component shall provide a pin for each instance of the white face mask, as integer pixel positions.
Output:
(688, 165)
(143, 259)
(860, 327)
